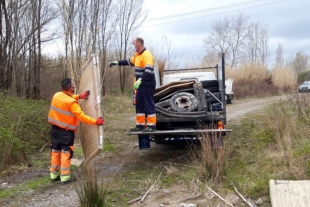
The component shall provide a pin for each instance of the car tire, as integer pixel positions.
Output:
(183, 102)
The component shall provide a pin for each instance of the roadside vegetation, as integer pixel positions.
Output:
(271, 144)
(256, 80)
(24, 132)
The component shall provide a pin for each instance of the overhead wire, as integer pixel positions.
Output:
(203, 10)
(216, 8)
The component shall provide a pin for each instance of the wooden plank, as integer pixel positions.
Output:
(166, 89)
(91, 136)
(289, 193)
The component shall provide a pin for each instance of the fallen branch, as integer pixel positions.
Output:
(189, 198)
(249, 202)
(43, 147)
(150, 187)
(220, 197)
(231, 205)
(134, 200)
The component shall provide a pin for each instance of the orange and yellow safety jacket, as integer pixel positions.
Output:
(66, 113)
(144, 66)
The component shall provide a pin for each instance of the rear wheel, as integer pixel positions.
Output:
(230, 98)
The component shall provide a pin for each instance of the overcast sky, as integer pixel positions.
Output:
(288, 22)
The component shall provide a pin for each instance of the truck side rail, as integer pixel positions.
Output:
(190, 69)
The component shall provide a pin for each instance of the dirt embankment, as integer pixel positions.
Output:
(65, 195)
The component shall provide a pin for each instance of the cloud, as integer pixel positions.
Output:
(287, 22)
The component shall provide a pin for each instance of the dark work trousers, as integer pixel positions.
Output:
(62, 139)
(145, 103)
(61, 152)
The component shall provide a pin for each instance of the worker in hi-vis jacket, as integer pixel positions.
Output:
(143, 62)
(64, 116)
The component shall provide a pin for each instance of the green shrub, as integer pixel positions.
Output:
(24, 128)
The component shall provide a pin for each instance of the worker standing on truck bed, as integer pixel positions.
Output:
(64, 116)
(145, 86)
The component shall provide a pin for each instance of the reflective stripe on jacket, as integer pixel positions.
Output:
(144, 67)
(66, 113)
(60, 113)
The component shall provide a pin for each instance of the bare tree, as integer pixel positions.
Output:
(86, 25)
(239, 40)
(106, 30)
(22, 23)
(67, 18)
(236, 37)
(263, 48)
(300, 63)
(252, 43)
(217, 41)
(210, 59)
(130, 17)
(279, 56)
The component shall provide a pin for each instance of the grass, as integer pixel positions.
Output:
(268, 146)
(272, 144)
(119, 115)
(25, 186)
(24, 129)
(91, 188)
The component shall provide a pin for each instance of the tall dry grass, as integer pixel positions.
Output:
(251, 80)
(91, 188)
(210, 156)
(256, 80)
(288, 123)
(284, 78)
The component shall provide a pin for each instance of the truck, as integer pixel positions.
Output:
(188, 104)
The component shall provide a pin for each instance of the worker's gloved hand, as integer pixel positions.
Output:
(85, 95)
(113, 63)
(137, 84)
(99, 121)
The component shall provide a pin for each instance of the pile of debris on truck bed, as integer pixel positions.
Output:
(188, 97)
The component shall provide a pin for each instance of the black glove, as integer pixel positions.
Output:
(113, 63)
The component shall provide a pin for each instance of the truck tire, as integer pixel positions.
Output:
(230, 98)
(183, 102)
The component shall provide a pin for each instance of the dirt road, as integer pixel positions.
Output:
(61, 195)
(240, 108)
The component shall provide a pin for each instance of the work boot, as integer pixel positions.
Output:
(65, 179)
(136, 129)
(68, 181)
(55, 176)
(149, 129)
